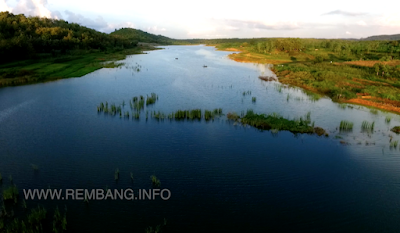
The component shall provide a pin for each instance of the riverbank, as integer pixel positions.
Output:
(356, 82)
(60, 67)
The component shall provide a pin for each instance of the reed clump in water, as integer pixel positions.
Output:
(136, 115)
(155, 181)
(395, 129)
(116, 174)
(374, 111)
(346, 126)
(232, 116)
(394, 144)
(253, 99)
(151, 99)
(388, 119)
(320, 131)
(367, 127)
(275, 121)
(246, 93)
(342, 106)
(194, 114)
(208, 115)
(59, 221)
(11, 194)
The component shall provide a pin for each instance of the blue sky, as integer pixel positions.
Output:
(224, 19)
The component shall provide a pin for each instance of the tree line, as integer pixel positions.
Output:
(24, 37)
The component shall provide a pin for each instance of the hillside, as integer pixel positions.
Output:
(136, 35)
(383, 37)
(24, 37)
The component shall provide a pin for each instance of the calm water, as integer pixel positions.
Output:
(223, 177)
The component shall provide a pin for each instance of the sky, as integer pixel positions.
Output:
(224, 19)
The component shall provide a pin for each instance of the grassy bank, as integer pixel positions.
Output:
(342, 77)
(74, 64)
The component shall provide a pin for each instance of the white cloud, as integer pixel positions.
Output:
(361, 23)
(155, 29)
(99, 23)
(4, 6)
(32, 8)
(344, 13)
(198, 31)
(391, 20)
(348, 33)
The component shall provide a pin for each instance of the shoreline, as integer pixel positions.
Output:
(26, 72)
(253, 58)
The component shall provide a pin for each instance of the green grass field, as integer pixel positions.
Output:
(67, 66)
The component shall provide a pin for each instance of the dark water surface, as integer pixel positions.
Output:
(223, 177)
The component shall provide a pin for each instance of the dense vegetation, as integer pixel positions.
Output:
(361, 71)
(384, 37)
(34, 49)
(32, 37)
(136, 35)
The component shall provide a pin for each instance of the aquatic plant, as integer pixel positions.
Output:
(253, 99)
(208, 115)
(274, 121)
(188, 114)
(394, 144)
(136, 115)
(319, 131)
(246, 93)
(157, 229)
(35, 167)
(366, 126)
(155, 181)
(138, 105)
(116, 174)
(126, 114)
(346, 126)
(36, 217)
(395, 129)
(232, 116)
(10, 193)
(388, 119)
(152, 99)
(342, 106)
(59, 222)
(24, 204)
(159, 115)
(374, 111)
(217, 111)
(287, 97)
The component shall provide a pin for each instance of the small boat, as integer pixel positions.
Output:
(205, 66)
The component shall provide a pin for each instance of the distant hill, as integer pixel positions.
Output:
(383, 37)
(136, 35)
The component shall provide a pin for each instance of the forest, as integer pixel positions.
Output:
(24, 37)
